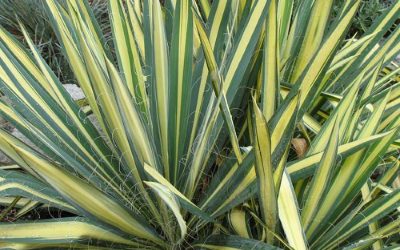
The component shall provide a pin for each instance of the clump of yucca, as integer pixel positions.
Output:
(197, 105)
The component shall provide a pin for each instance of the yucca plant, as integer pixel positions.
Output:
(197, 106)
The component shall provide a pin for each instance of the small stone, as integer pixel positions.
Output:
(397, 59)
(75, 92)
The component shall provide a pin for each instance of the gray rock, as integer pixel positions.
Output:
(75, 92)
(397, 59)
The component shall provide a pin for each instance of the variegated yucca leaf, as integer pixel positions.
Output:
(188, 135)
